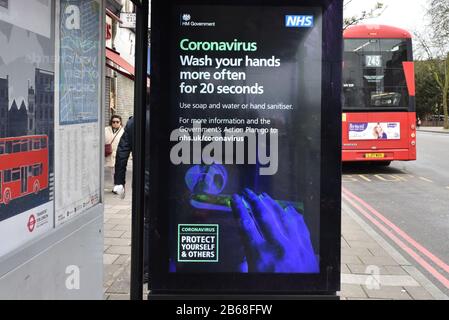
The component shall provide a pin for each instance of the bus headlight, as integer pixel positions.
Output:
(413, 143)
(413, 135)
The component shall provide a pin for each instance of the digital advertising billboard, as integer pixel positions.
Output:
(238, 148)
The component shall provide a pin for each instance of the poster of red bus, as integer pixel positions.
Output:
(23, 167)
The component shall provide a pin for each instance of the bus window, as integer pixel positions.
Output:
(373, 74)
(36, 144)
(30, 171)
(2, 148)
(15, 175)
(7, 176)
(44, 143)
(36, 170)
(24, 146)
(16, 147)
(8, 147)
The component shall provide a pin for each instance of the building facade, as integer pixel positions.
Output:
(120, 46)
(44, 107)
(31, 111)
(17, 120)
(4, 106)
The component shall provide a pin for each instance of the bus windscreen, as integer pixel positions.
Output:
(373, 74)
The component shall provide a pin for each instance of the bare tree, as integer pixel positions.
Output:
(374, 12)
(436, 48)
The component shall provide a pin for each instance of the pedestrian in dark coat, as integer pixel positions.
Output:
(124, 150)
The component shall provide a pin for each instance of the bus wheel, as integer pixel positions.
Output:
(384, 163)
(36, 187)
(7, 197)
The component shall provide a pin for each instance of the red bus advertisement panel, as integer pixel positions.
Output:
(386, 136)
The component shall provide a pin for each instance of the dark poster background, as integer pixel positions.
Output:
(297, 82)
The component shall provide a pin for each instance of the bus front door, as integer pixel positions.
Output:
(24, 180)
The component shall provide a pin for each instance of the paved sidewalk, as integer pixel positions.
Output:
(117, 239)
(433, 130)
(117, 246)
(371, 268)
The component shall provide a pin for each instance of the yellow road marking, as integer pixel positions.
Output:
(399, 177)
(387, 177)
(349, 179)
(364, 178)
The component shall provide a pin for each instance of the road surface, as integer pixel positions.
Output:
(408, 204)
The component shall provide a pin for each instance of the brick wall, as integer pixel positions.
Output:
(125, 97)
(107, 107)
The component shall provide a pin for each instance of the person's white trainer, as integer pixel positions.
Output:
(119, 190)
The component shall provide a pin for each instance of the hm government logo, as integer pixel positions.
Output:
(186, 17)
(186, 21)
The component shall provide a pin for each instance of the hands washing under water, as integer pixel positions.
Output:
(275, 240)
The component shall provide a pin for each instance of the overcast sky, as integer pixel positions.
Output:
(406, 14)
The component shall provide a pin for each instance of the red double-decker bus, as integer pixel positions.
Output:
(379, 116)
(23, 167)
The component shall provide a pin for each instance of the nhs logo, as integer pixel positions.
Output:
(299, 21)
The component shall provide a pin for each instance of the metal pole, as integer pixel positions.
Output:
(140, 88)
